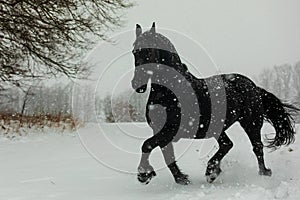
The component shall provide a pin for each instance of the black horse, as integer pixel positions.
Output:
(183, 106)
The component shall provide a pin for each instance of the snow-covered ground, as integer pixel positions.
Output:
(72, 166)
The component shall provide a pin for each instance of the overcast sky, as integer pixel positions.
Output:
(240, 36)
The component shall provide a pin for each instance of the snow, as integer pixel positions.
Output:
(57, 166)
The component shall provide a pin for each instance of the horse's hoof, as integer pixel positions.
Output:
(212, 174)
(265, 172)
(182, 179)
(211, 178)
(146, 177)
(145, 174)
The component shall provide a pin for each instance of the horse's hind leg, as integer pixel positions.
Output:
(253, 132)
(213, 167)
(168, 153)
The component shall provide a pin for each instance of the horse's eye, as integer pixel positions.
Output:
(136, 51)
(138, 62)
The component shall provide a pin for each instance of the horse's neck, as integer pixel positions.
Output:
(181, 69)
(173, 61)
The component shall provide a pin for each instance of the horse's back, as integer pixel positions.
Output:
(237, 99)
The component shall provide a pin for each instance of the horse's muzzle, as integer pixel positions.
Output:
(141, 89)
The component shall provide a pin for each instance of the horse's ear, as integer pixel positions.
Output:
(138, 30)
(152, 30)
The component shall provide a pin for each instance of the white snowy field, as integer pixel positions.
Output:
(71, 166)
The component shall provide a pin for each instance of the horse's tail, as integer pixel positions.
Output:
(279, 115)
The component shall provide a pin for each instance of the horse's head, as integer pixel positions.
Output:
(151, 49)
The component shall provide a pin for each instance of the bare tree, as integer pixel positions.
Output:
(296, 80)
(109, 116)
(43, 38)
(26, 98)
(265, 78)
(285, 74)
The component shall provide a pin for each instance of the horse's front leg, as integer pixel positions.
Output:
(169, 156)
(145, 170)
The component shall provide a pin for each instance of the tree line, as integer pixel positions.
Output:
(282, 80)
(81, 103)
